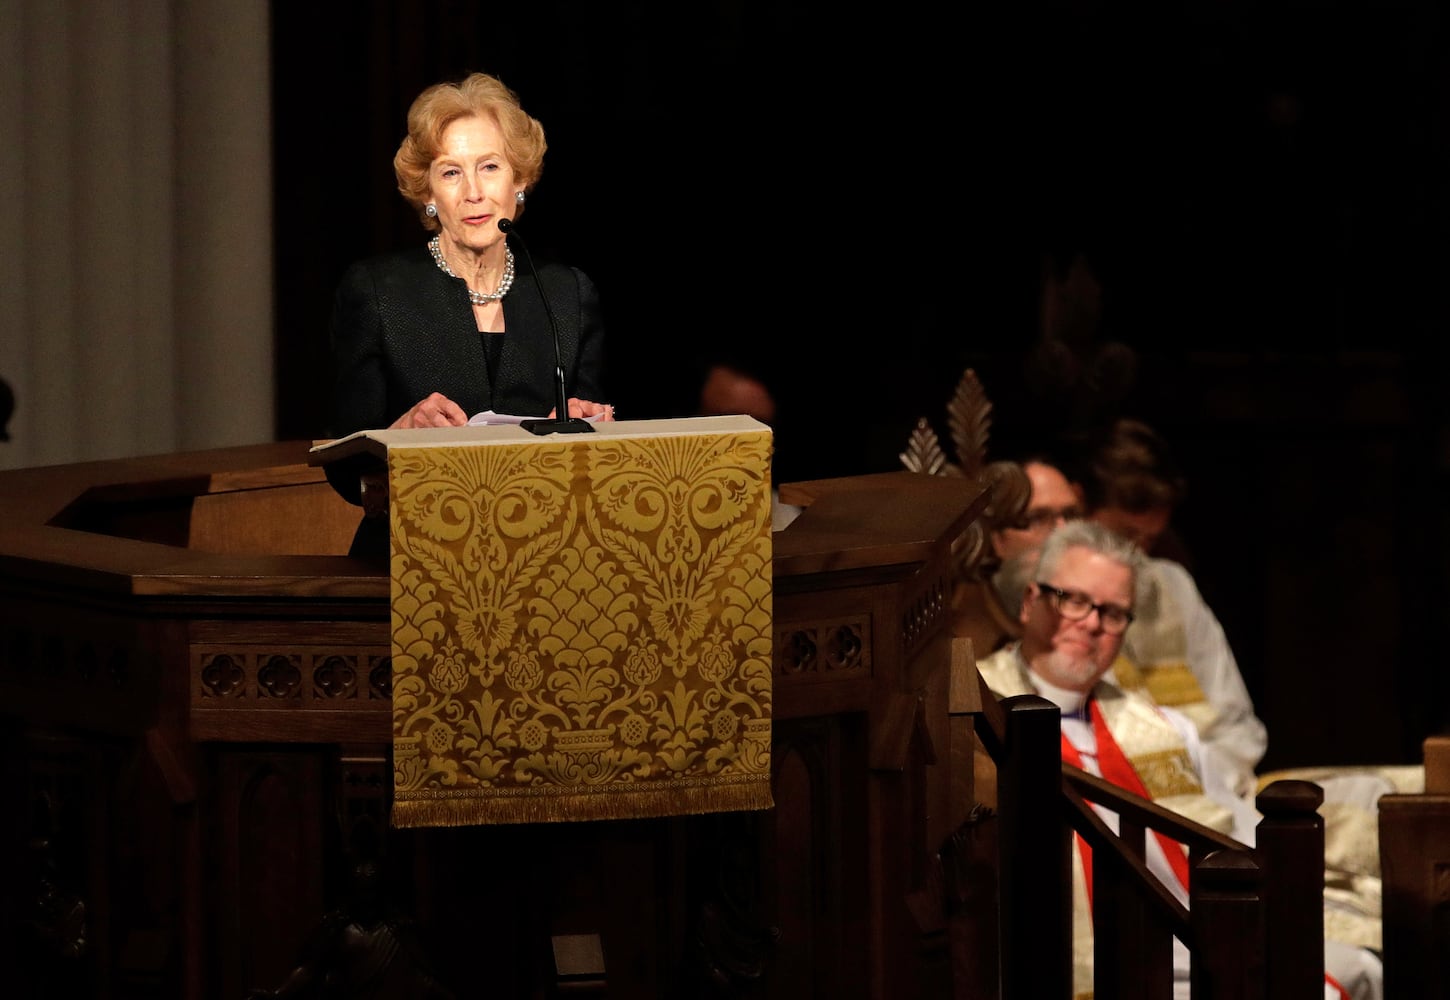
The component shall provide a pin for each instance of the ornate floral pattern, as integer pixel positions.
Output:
(581, 628)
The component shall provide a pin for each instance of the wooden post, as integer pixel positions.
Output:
(1227, 917)
(1291, 846)
(1036, 867)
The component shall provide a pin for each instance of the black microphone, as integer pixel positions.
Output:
(561, 423)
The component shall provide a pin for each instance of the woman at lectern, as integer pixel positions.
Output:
(431, 335)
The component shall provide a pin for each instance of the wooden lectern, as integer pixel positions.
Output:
(581, 623)
(196, 695)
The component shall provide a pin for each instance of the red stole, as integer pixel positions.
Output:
(1116, 768)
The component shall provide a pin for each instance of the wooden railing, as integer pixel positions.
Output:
(1254, 923)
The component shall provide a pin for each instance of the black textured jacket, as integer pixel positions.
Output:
(402, 329)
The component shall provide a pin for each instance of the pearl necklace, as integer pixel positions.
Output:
(478, 298)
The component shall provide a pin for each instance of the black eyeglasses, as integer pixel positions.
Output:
(1075, 605)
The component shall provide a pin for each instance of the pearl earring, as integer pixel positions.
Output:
(430, 210)
(519, 198)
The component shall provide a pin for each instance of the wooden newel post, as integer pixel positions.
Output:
(1228, 927)
(1036, 879)
(1291, 846)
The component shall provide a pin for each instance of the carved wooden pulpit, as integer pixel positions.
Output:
(581, 623)
(197, 691)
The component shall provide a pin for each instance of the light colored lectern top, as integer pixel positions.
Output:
(379, 441)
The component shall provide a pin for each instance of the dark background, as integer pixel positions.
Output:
(863, 202)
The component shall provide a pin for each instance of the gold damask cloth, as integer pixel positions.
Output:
(581, 627)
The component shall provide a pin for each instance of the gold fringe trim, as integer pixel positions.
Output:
(615, 803)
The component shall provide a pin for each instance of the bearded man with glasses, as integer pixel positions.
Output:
(1178, 653)
(1074, 616)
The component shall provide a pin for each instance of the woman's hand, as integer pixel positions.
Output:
(437, 410)
(588, 408)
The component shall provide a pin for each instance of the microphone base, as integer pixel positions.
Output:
(569, 425)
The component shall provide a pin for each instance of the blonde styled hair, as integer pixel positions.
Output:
(477, 95)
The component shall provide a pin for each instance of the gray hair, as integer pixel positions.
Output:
(1091, 536)
(1013, 576)
(1031, 565)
